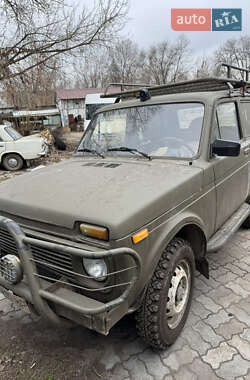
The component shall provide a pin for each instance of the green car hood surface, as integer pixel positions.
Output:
(123, 198)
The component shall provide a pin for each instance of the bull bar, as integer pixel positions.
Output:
(41, 297)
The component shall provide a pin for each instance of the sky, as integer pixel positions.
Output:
(150, 23)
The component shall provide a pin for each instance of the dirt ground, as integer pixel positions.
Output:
(33, 350)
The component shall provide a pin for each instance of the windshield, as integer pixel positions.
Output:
(164, 130)
(92, 108)
(13, 133)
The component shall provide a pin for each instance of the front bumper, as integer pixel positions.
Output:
(44, 153)
(57, 299)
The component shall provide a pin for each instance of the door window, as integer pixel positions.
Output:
(216, 131)
(246, 110)
(228, 122)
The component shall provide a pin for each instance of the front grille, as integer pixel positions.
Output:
(7, 243)
(49, 256)
(62, 260)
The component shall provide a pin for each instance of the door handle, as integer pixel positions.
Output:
(1, 145)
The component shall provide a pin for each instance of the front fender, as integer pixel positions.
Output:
(161, 236)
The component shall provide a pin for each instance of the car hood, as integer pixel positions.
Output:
(121, 195)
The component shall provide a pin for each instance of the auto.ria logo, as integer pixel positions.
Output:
(227, 19)
(200, 19)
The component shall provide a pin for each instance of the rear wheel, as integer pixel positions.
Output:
(167, 301)
(13, 162)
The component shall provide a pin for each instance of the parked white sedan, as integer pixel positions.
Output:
(16, 150)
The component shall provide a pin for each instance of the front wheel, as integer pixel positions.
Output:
(13, 162)
(167, 300)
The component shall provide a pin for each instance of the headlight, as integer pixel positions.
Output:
(96, 268)
(94, 231)
(11, 269)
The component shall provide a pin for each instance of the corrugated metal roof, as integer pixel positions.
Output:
(43, 112)
(80, 93)
(77, 93)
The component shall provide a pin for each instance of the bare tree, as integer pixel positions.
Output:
(122, 61)
(91, 70)
(35, 88)
(43, 29)
(21, 10)
(160, 59)
(204, 67)
(125, 61)
(181, 56)
(235, 52)
(167, 62)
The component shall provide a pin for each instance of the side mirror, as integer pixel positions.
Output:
(224, 148)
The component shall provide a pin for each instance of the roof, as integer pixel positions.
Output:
(80, 93)
(41, 112)
(77, 93)
(191, 97)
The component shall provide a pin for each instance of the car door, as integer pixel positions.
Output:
(231, 173)
(2, 146)
(245, 112)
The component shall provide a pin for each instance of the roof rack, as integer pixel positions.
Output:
(229, 67)
(196, 85)
(123, 85)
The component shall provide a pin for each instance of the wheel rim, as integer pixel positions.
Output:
(178, 294)
(13, 163)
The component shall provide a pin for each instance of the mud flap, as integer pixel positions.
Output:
(203, 267)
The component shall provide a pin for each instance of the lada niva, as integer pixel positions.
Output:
(158, 180)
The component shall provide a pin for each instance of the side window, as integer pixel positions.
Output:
(246, 110)
(228, 122)
(216, 131)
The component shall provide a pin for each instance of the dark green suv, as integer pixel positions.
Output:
(158, 179)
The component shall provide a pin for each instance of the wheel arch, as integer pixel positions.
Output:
(197, 239)
(187, 226)
(10, 152)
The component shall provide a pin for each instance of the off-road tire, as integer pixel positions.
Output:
(16, 158)
(151, 321)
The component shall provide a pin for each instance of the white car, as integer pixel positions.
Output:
(16, 150)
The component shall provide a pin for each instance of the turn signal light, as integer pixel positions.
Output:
(94, 231)
(143, 234)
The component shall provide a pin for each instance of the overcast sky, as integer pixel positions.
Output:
(150, 22)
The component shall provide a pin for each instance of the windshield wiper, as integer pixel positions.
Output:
(93, 151)
(132, 150)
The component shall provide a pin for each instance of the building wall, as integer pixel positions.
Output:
(73, 107)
